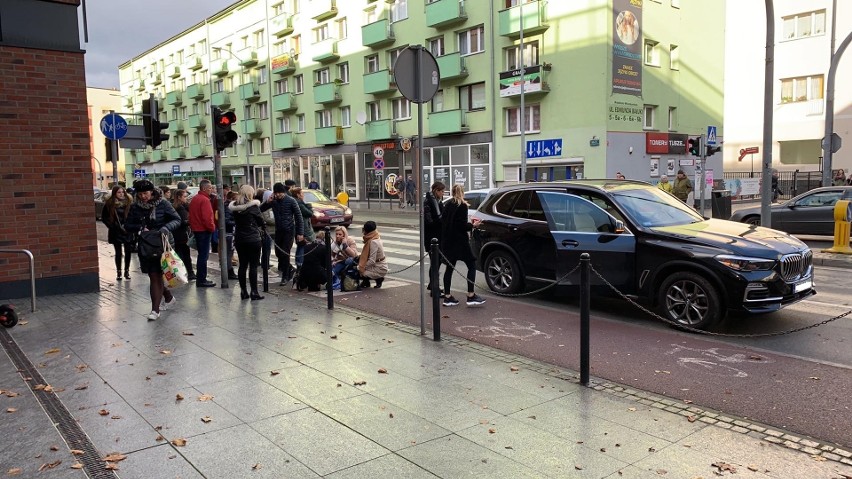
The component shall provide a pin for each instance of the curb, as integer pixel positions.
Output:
(832, 260)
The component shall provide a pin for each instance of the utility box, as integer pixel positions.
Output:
(720, 204)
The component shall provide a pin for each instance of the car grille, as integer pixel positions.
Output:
(795, 266)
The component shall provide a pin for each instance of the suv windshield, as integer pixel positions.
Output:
(652, 207)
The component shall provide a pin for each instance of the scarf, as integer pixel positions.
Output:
(365, 253)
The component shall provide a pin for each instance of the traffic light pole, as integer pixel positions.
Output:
(702, 147)
(223, 239)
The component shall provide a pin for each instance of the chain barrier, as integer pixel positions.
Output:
(409, 266)
(712, 333)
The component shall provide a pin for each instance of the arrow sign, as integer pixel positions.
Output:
(748, 151)
(544, 148)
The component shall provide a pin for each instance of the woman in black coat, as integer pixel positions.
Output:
(150, 212)
(313, 273)
(247, 238)
(181, 233)
(455, 244)
(114, 217)
(433, 209)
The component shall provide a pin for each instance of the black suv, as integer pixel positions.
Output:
(645, 242)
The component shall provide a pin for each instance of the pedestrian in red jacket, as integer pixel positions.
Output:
(202, 225)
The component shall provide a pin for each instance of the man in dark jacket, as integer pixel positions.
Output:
(288, 226)
(433, 208)
(314, 273)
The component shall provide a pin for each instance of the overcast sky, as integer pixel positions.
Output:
(122, 29)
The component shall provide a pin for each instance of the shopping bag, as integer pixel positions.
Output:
(174, 271)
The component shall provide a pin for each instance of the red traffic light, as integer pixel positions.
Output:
(227, 118)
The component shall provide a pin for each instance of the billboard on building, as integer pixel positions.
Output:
(627, 47)
(510, 82)
(281, 61)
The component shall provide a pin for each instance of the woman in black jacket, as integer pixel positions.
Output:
(150, 212)
(433, 208)
(181, 233)
(114, 217)
(455, 244)
(247, 238)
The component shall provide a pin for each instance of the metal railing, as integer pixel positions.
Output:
(32, 271)
(790, 183)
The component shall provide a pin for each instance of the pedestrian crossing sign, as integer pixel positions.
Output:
(711, 135)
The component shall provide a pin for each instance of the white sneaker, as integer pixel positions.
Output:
(168, 304)
(153, 316)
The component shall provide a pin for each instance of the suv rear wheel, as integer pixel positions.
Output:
(690, 300)
(502, 273)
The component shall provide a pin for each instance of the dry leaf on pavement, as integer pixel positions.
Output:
(492, 431)
(76, 465)
(178, 397)
(15, 471)
(111, 466)
(166, 352)
(514, 369)
(187, 333)
(179, 441)
(256, 467)
(52, 351)
(631, 409)
(359, 383)
(115, 457)
(77, 452)
(49, 465)
(383, 371)
(103, 412)
(81, 387)
(274, 373)
(161, 373)
(54, 448)
(11, 409)
(205, 397)
(724, 467)
(691, 418)
(206, 419)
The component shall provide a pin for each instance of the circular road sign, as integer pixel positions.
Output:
(378, 152)
(113, 126)
(406, 71)
(378, 163)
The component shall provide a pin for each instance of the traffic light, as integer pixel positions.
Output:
(225, 136)
(694, 146)
(153, 126)
(711, 150)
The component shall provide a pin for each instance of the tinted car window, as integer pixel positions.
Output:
(505, 204)
(572, 213)
(474, 200)
(536, 211)
(823, 198)
(652, 207)
(603, 204)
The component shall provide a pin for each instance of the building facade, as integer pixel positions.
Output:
(312, 84)
(100, 102)
(806, 32)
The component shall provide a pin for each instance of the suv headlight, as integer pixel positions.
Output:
(744, 263)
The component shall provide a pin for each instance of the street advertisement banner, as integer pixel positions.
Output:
(510, 82)
(627, 47)
(666, 143)
(281, 61)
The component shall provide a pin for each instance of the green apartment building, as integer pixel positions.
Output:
(608, 85)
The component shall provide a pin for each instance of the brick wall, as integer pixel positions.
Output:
(45, 173)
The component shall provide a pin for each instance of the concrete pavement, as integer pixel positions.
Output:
(283, 387)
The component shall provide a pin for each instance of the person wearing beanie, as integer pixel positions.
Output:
(372, 264)
(288, 227)
(181, 185)
(682, 187)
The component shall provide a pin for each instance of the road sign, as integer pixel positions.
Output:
(378, 163)
(544, 148)
(836, 143)
(412, 62)
(711, 135)
(113, 126)
(176, 169)
(139, 173)
(748, 151)
(378, 152)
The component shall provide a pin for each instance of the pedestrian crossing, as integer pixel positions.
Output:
(402, 246)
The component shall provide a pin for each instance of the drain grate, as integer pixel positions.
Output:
(93, 463)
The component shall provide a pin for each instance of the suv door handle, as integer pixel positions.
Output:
(569, 242)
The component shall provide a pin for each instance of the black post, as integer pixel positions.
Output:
(585, 294)
(434, 266)
(265, 266)
(329, 278)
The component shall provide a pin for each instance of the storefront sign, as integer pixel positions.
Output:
(665, 143)
(627, 47)
(405, 144)
(480, 175)
(281, 61)
(510, 82)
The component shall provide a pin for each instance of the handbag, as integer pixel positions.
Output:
(150, 245)
(174, 271)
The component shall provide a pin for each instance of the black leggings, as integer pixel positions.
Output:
(182, 250)
(448, 274)
(128, 250)
(249, 255)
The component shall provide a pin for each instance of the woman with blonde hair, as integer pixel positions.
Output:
(455, 245)
(343, 252)
(247, 238)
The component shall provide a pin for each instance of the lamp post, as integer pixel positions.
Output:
(100, 172)
(249, 178)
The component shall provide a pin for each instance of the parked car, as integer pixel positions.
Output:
(327, 212)
(810, 213)
(100, 199)
(645, 242)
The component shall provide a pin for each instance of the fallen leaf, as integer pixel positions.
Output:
(390, 415)
(492, 431)
(50, 465)
(166, 352)
(54, 448)
(256, 467)
(161, 373)
(111, 466)
(818, 458)
(815, 378)
(578, 467)
(81, 367)
(514, 369)
(274, 373)
(724, 467)
(662, 472)
(603, 449)
(77, 452)
(687, 401)
(39, 387)
(179, 441)
(187, 333)
(691, 418)
(23, 323)
(333, 337)
(359, 383)
(178, 397)
(103, 412)
(205, 397)
(11, 409)
(76, 465)
(530, 417)
(755, 357)
(48, 389)
(81, 387)
(115, 417)
(160, 438)
(383, 371)
(115, 457)
(752, 467)
(631, 409)
(11, 394)
(206, 419)
(651, 449)
(52, 351)
(14, 471)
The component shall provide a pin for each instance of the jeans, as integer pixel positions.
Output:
(202, 243)
(284, 243)
(249, 254)
(300, 254)
(338, 268)
(471, 275)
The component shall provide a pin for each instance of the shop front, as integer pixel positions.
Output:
(333, 173)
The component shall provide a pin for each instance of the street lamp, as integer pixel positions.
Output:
(249, 178)
(100, 172)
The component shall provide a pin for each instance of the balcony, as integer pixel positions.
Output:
(451, 66)
(327, 93)
(535, 20)
(378, 82)
(249, 91)
(326, 51)
(156, 79)
(443, 13)
(331, 135)
(377, 34)
(196, 151)
(128, 102)
(283, 64)
(193, 62)
(285, 141)
(177, 153)
(173, 71)
(221, 98)
(380, 129)
(174, 98)
(281, 25)
(535, 83)
(219, 68)
(284, 102)
(323, 9)
(138, 84)
(195, 91)
(175, 126)
(447, 122)
(248, 57)
(253, 126)
(198, 122)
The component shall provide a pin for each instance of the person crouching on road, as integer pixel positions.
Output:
(433, 208)
(313, 273)
(343, 252)
(455, 245)
(114, 216)
(372, 264)
(247, 241)
(150, 212)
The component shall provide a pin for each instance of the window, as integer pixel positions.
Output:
(401, 109)
(264, 146)
(180, 56)
(345, 116)
(218, 85)
(262, 75)
(183, 113)
(324, 119)
(300, 123)
(437, 102)
(802, 89)
(371, 63)
(472, 97)
(283, 124)
(259, 38)
(393, 55)
(436, 46)
(370, 16)
(672, 118)
(472, 41)
(299, 83)
(343, 72)
(674, 57)
(279, 48)
(263, 110)
(399, 10)
(652, 53)
(249, 147)
(532, 119)
(247, 112)
(648, 117)
(342, 28)
(281, 86)
(296, 44)
(217, 54)
(278, 9)
(202, 47)
(804, 25)
(513, 56)
(321, 76)
(321, 33)
(374, 113)
(244, 42)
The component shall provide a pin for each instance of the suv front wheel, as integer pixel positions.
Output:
(690, 300)
(502, 273)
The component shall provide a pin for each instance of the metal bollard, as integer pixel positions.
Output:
(585, 300)
(329, 278)
(265, 266)
(434, 266)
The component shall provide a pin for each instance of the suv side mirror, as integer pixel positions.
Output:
(619, 227)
